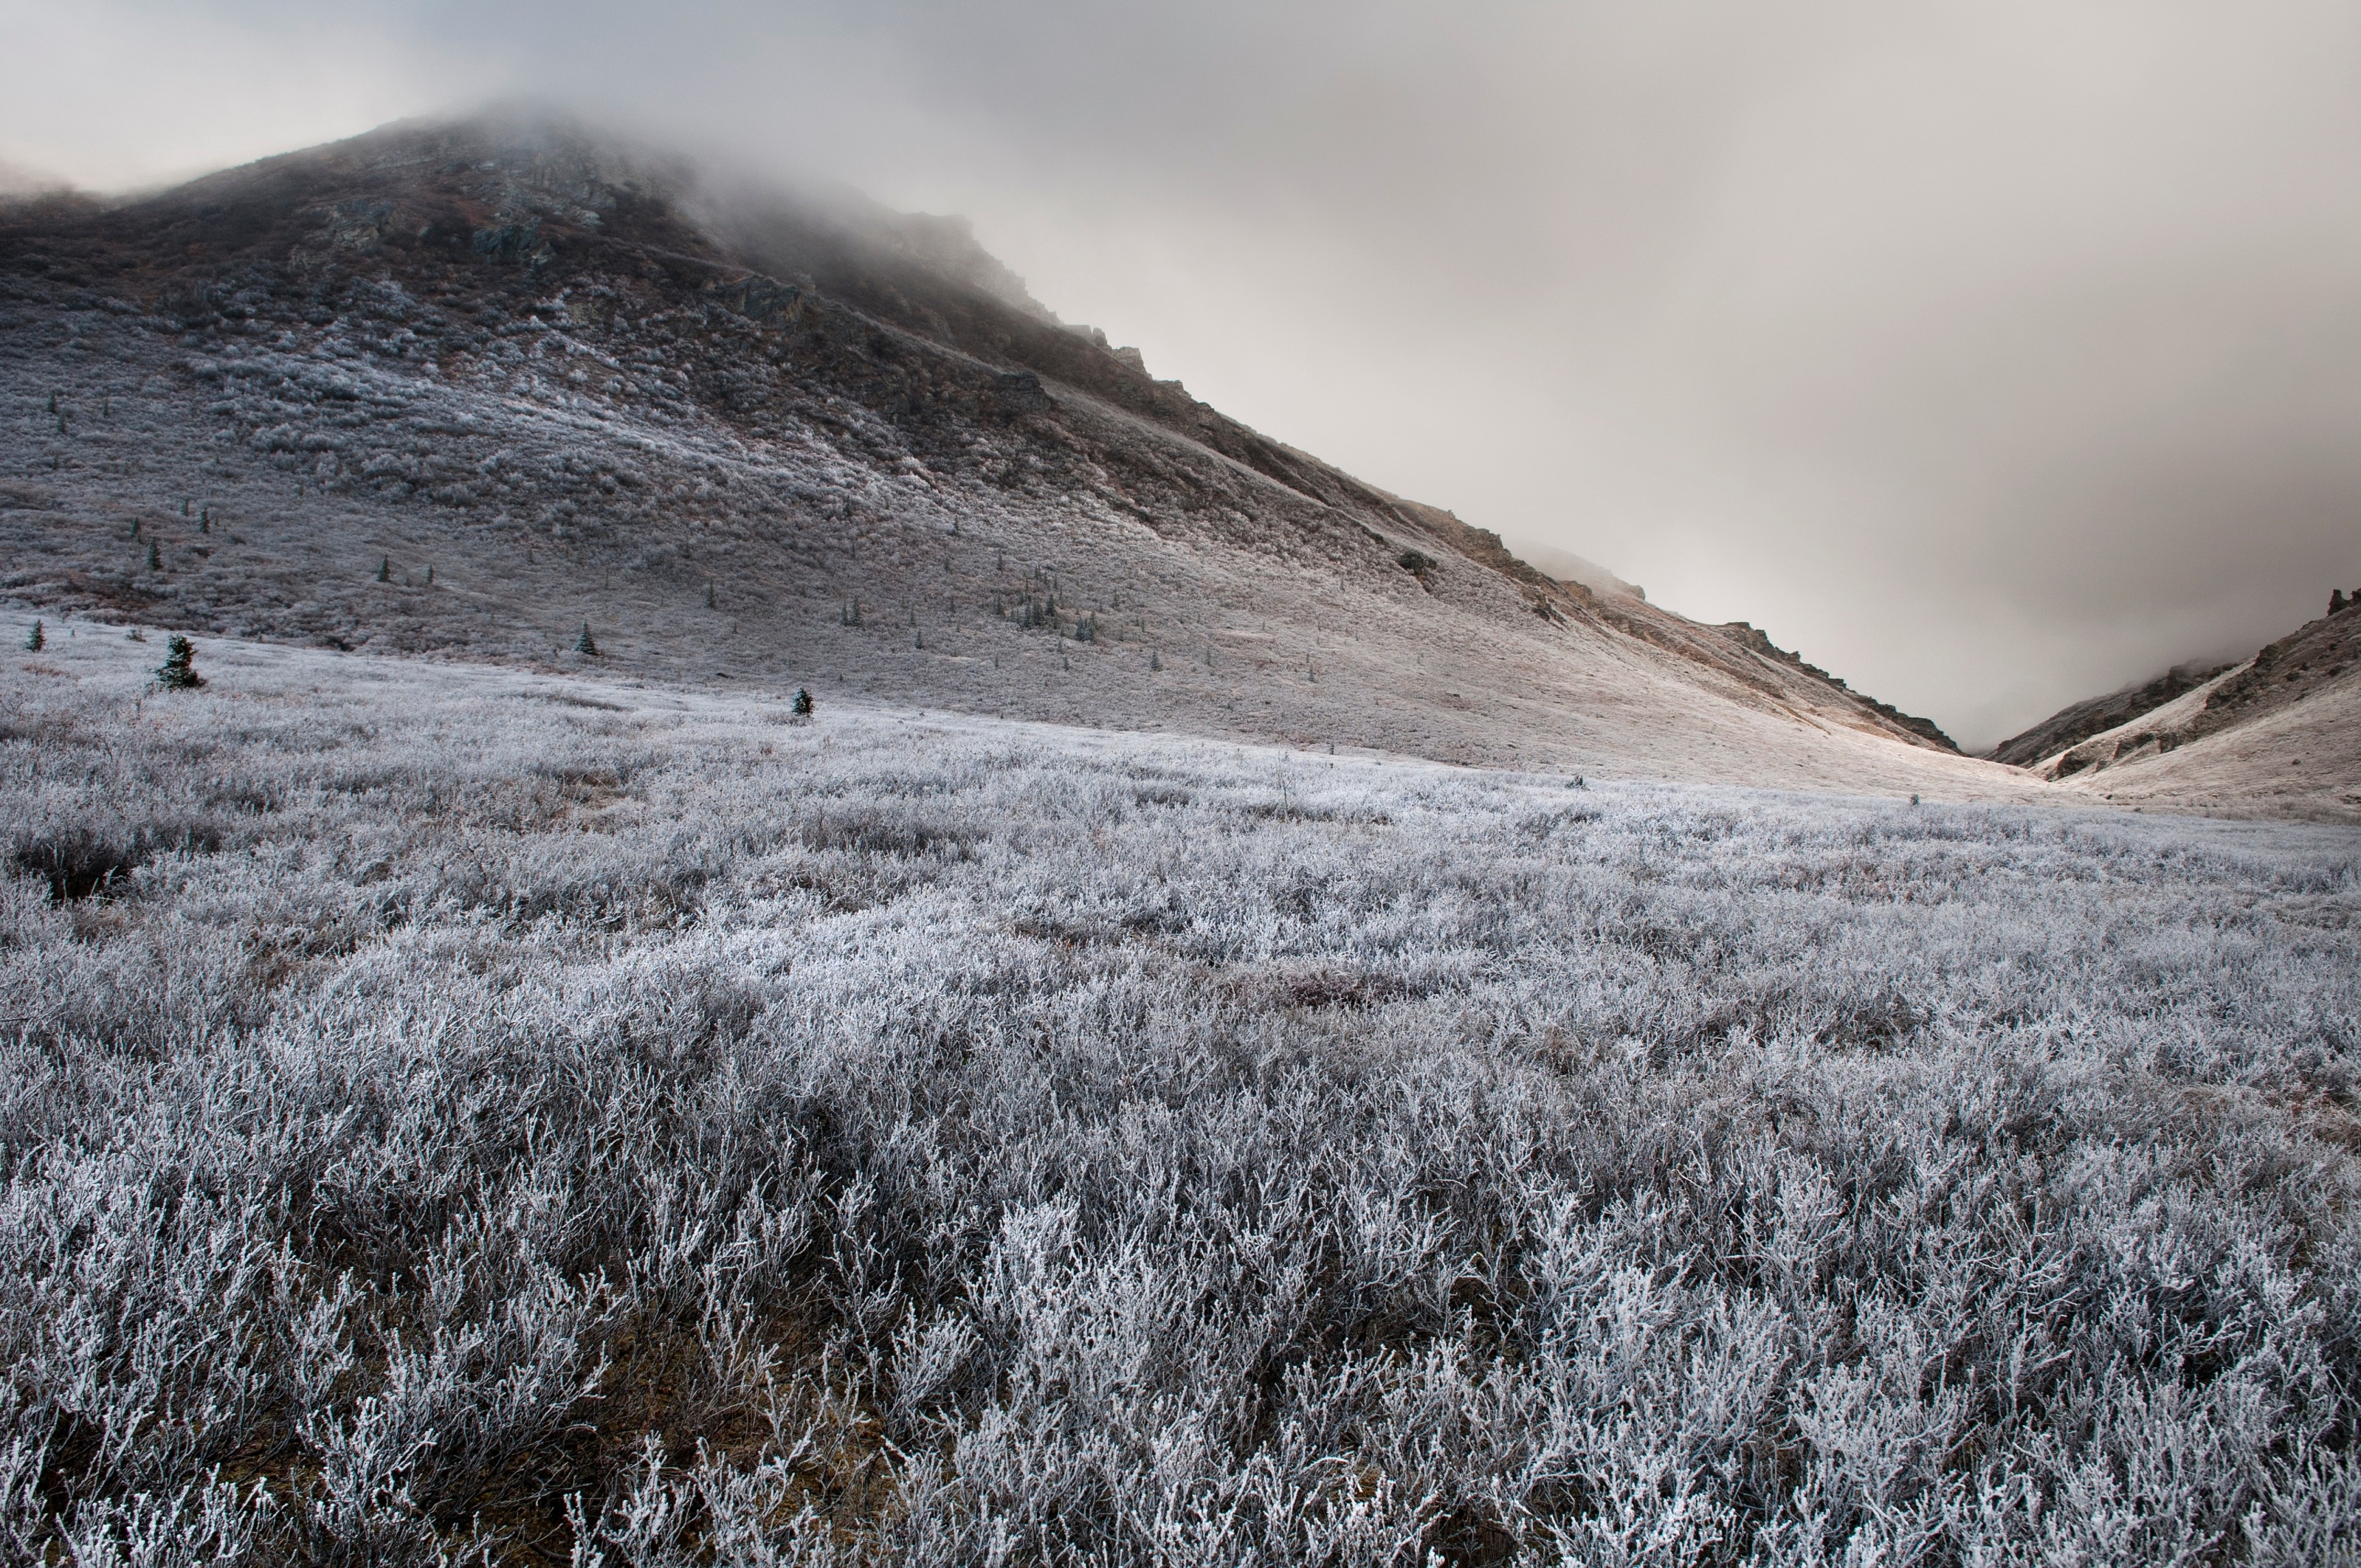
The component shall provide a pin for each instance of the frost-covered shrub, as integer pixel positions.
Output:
(651, 1134)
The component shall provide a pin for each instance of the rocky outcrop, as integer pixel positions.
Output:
(1746, 636)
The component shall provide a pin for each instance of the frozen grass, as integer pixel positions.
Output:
(453, 1114)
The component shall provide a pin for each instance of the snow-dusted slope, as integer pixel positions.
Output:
(2079, 721)
(2159, 728)
(2276, 736)
(458, 1113)
(474, 388)
(2299, 761)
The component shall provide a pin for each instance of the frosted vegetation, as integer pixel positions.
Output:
(467, 1114)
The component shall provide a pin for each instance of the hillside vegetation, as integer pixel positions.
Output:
(458, 1112)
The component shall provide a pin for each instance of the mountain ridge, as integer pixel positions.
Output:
(2078, 722)
(530, 363)
(2277, 734)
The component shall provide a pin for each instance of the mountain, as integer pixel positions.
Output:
(493, 388)
(2278, 735)
(2071, 724)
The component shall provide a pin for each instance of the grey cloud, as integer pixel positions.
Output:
(1991, 354)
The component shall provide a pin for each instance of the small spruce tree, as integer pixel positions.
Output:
(803, 707)
(37, 639)
(708, 595)
(154, 558)
(179, 670)
(385, 569)
(587, 645)
(1155, 661)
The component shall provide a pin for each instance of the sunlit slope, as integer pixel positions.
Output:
(475, 388)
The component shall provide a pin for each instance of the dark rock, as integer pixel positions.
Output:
(1020, 389)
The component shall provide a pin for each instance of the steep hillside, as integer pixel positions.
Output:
(2072, 724)
(485, 388)
(2279, 735)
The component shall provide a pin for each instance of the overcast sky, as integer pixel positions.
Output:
(1991, 353)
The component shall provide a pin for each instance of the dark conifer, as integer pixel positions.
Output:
(179, 670)
(588, 645)
(155, 559)
(385, 569)
(803, 708)
(37, 639)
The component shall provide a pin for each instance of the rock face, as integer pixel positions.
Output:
(541, 378)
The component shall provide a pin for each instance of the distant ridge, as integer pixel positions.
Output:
(2078, 722)
(2279, 734)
